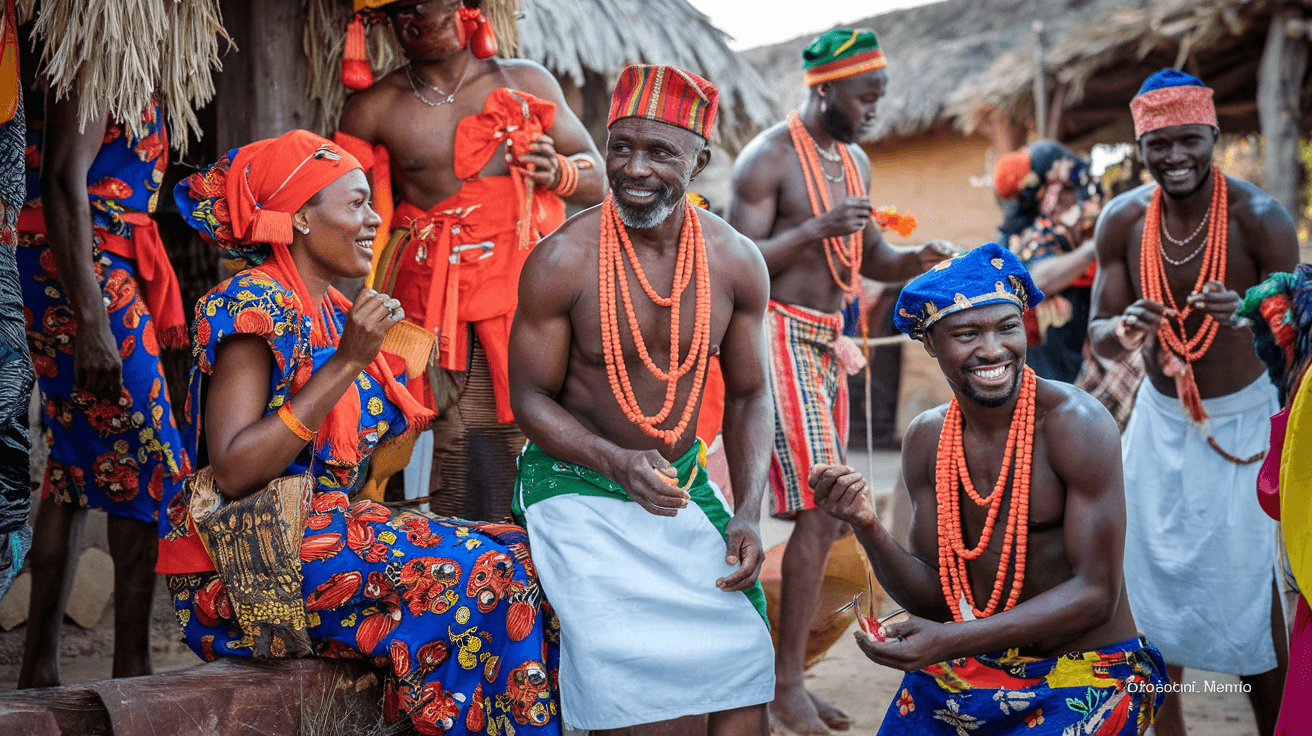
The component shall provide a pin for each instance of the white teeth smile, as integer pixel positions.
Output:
(988, 373)
(1178, 173)
(638, 193)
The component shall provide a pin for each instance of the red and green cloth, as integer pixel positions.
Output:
(841, 53)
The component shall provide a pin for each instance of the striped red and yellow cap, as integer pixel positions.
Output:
(841, 53)
(665, 93)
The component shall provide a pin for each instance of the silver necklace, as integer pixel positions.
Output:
(416, 80)
(842, 176)
(1187, 258)
(1192, 235)
(832, 155)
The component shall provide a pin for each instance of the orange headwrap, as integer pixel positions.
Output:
(1010, 171)
(270, 180)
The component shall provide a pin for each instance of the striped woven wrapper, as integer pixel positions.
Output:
(665, 93)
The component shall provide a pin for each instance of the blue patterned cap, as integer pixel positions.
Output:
(1169, 78)
(989, 274)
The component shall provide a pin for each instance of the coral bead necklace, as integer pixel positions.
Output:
(690, 262)
(951, 474)
(1183, 349)
(845, 250)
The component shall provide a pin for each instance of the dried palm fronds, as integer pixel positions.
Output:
(325, 39)
(119, 55)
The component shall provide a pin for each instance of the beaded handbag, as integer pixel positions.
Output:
(255, 544)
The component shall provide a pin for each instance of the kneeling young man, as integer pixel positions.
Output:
(654, 581)
(1019, 620)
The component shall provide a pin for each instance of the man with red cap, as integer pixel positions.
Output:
(662, 619)
(800, 193)
(1174, 258)
(482, 154)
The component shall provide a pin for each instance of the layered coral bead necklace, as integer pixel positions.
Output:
(952, 474)
(1157, 287)
(844, 250)
(690, 262)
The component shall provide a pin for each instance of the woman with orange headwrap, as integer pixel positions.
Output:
(305, 380)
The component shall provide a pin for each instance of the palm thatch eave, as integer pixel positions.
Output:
(936, 53)
(574, 37)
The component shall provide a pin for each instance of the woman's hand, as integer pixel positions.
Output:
(372, 315)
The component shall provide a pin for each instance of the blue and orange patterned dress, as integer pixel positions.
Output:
(123, 455)
(451, 608)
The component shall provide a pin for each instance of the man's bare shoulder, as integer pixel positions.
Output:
(1128, 207)
(1252, 206)
(569, 248)
(763, 154)
(728, 242)
(1074, 420)
(1118, 218)
(367, 108)
(730, 250)
(920, 447)
(530, 77)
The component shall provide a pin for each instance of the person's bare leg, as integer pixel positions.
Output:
(802, 574)
(1268, 688)
(685, 726)
(56, 539)
(134, 545)
(1170, 717)
(751, 720)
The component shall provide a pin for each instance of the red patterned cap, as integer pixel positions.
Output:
(665, 93)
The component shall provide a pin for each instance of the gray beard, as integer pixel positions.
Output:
(646, 217)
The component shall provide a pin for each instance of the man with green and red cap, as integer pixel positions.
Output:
(653, 579)
(800, 192)
(1174, 258)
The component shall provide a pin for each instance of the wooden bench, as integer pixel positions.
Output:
(228, 697)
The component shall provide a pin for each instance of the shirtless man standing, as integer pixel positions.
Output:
(460, 219)
(662, 620)
(783, 183)
(1012, 576)
(1200, 556)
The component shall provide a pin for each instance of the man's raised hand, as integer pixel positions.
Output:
(935, 252)
(843, 494)
(539, 162)
(1216, 300)
(847, 216)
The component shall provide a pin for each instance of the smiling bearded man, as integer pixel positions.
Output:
(1200, 557)
(662, 620)
(1025, 628)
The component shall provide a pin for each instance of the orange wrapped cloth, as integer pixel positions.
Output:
(458, 263)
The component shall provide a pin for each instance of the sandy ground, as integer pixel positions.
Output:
(845, 677)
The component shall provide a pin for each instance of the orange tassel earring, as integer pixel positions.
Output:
(356, 73)
(477, 32)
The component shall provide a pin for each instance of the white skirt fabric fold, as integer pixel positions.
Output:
(646, 635)
(1200, 554)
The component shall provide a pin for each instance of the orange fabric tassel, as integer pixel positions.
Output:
(356, 72)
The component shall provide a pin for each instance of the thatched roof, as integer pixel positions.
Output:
(1100, 64)
(935, 53)
(571, 37)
